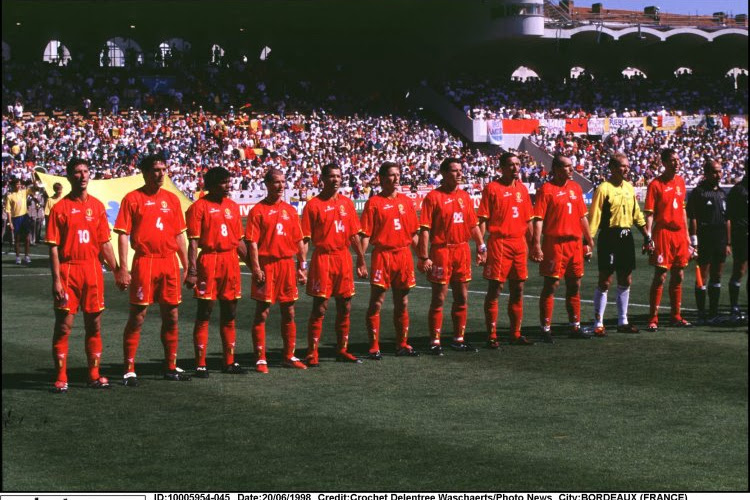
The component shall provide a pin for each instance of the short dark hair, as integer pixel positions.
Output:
(57, 185)
(386, 166)
(270, 173)
(148, 162)
(326, 169)
(709, 162)
(507, 156)
(73, 163)
(215, 176)
(557, 160)
(445, 165)
(666, 153)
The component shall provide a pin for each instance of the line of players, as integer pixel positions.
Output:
(556, 232)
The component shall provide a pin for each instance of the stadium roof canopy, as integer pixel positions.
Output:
(380, 38)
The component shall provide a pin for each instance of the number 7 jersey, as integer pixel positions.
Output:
(152, 221)
(561, 209)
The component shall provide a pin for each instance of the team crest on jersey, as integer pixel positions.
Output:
(227, 213)
(89, 214)
(461, 203)
(342, 211)
(401, 208)
(518, 197)
(678, 191)
(164, 206)
(572, 195)
(284, 215)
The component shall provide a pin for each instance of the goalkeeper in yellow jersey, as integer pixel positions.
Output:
(615, 209)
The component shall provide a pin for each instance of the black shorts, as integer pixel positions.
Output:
(712, 245)
(616, 251)
(739, 245)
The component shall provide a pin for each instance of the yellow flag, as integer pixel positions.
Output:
(111, 192)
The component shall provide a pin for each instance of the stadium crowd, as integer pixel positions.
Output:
(603, 97)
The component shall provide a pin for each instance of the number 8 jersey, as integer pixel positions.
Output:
(217, 226)
(152, 221)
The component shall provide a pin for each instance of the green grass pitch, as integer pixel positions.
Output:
(653, 411)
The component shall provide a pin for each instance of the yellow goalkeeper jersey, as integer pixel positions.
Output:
(615, 206)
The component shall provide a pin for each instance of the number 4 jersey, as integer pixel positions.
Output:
(152, 221)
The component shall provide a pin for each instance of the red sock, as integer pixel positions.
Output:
(655, 300)
(60, 355)
(200, 342)
(259, 341)
(435, 323)
(342, 331)
(546, 308)
(130, 341)
(490, 317)
(169, 337)
(289, 335)
(515, 315)
(373, 331)
(401, 323)
(675, 300)
(573, 305)
(458, 315)
(94, 354)
(228, 340)
(314, 330)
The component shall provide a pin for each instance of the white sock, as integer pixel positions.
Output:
(623, 299)
(600, 304)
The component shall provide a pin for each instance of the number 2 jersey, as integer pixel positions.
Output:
(152, 221)
(216, 226)
(275, 228)
(79, 229)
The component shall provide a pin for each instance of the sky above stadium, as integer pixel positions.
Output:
(699, 7)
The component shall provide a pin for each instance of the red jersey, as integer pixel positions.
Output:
(275, 228)
(561, 209)
(152, 221)
(449, 217)
(666, 200)
(78, 228)
(507, 209)
(330, 223)
(216, 226)
(389, 222)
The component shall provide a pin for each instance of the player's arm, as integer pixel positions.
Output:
(182, 249)
(242, 250)
(122, 276)
(595, 210)
(476, 235)
(107, 253)
(729, 237)
(191, 274)
(588, 240)
(424, 263)
(361, 264)
(58, 291)
(254, 263)
(302, 261)
(536, 240)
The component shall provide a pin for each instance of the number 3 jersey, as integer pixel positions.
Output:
(561, 208)
(507, 209)
(449, 217)
(152, 221)
(330, 223)
(79, 228)
(216, 226)
(274, 227)
(389, 222)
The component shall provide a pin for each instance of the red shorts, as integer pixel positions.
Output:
(506, 259)
(218, 276)
(281, 281)
(84, 286)
(670, 249)
(563, 257)
(393, 268)
(155, 279)
(450, 264)
(331, 274)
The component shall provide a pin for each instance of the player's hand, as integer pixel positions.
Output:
(424, 266)
(588, 252)
(693, 251)
(536, 254)
(58, 293)
(259, 276)
(648, 247)
(361, 269)
(191, 280)
(729, 250)
(481, 258)
(122, 278)
(301, 276)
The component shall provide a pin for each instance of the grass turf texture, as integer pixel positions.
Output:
(654, 411)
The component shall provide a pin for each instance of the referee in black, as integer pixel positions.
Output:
(737, 213)
(710, 230)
